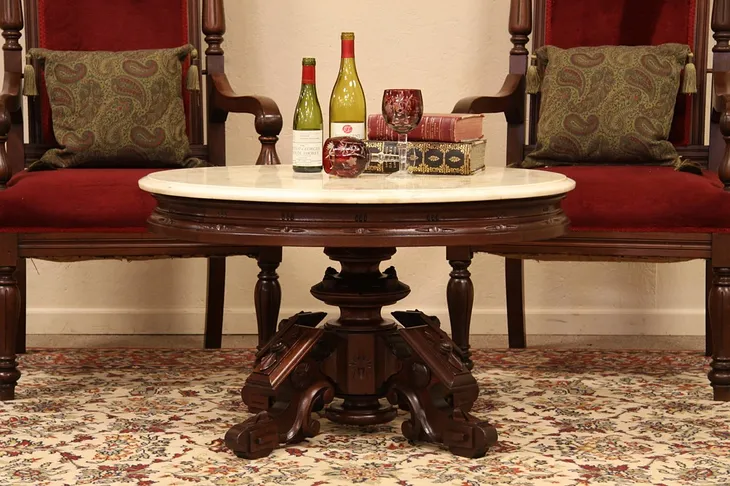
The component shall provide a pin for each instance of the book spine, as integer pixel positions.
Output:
(434, 128)
(445, 158)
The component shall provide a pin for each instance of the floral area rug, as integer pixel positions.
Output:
(147, 417)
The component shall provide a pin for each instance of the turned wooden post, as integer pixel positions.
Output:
(9, 314)
(11, 23)
(267, 294)
(719, 306)
(460, 299)
(720, 129)
(214, 26)
(520, 27)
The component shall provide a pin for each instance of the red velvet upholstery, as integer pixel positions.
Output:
(98, 200)
(622, 198)
(573, 23)
(118, 25)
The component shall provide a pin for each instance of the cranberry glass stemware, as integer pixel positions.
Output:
(402, 110)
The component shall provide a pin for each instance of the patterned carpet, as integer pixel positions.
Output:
(145, 417)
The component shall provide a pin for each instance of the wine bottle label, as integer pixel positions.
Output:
(307, 148)
(356, 130)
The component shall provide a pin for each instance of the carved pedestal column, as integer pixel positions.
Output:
(362, 363)
(363, 359)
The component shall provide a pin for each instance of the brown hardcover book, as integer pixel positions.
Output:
(444, 158)
(448, 127)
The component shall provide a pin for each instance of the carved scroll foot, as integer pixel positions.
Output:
(439, 392)
(285, 387)
(286, 422)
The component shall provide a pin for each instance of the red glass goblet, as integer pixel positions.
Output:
(402, 110)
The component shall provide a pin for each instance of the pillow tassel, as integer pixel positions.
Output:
(684, 165)
(193, 81)
(689, 82)
(533, 77)
(29, 81)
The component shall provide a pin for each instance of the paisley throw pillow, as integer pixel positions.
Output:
(607, 104)
(116, 109)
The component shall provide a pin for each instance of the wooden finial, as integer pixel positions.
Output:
(11, 21)
(214, 26)
(520, 25)
(721, 25)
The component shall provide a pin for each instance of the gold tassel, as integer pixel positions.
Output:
(689, 83)
(685, 165)
(533, 77)
(29, 81)
(193, 81)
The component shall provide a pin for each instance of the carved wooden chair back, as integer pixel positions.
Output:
(574, 23)
(109, 26)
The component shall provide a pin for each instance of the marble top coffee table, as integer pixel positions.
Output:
(361, 357)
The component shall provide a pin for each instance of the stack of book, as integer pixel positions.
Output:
(448, 143)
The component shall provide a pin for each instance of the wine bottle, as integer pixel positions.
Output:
(347, 102)
(308, 125)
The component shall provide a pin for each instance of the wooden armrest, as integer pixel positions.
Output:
(9, 103)
(268, 121)
(268, 117)
(510, 100)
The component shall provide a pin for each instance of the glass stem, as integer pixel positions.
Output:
(403, 151)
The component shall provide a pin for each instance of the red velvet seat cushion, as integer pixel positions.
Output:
(624, 198)
(95, 200)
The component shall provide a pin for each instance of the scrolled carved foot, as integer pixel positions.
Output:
(256, 437)
(284, 423)
(439, 391)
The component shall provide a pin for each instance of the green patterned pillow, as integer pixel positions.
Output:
(116, 109)
(607, 104)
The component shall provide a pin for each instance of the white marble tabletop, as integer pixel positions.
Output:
(281, 184)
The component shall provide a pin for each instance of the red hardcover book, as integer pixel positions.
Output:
(437, 127)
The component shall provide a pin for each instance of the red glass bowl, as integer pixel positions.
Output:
(345, 156)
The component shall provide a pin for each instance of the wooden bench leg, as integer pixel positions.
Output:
(9, 314)
(719, 305)
(515, 287)
(215, 302)
(20, 276)
(267, 294)
(460, 299)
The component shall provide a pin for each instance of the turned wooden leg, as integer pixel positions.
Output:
(9, 313)
(515, 285)
(215, 302)
(709, 275)
(267, 294)
(720, 314)
(20, 276)
(460, 298)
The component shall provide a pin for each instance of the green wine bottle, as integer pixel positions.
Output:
(307, 143)
(347, 102)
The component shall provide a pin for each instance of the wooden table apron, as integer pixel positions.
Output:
(469, 223)
(362, 357)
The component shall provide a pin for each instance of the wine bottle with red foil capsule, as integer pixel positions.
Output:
(308, 124)
(347, 102)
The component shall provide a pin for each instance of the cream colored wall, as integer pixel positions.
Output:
(449, 50)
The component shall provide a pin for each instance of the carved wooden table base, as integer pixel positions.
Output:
(373, 364)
